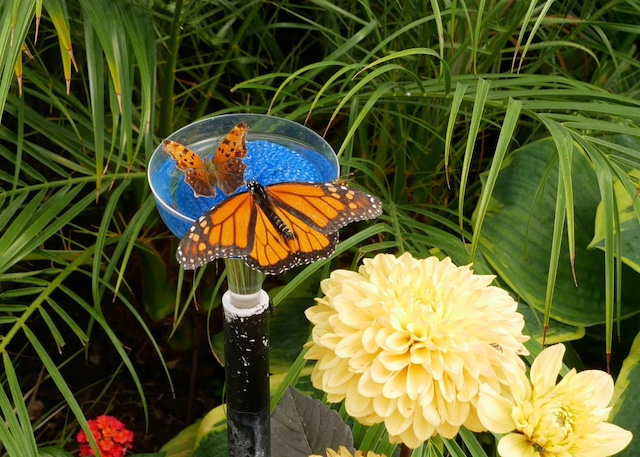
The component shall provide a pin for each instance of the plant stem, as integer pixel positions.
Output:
(165, 115)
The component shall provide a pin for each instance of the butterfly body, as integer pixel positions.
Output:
(225, 170)
(276, 227)
(266, 204)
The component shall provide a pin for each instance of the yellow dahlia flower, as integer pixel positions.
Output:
(546, 419)
(344, 452)
(409, 342)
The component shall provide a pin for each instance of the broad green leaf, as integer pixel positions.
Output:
(557, 332)
(211, 439)
(183, 443)
(626, 399)
(629, 225)
(517, 236)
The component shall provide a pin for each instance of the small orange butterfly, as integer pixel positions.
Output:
(226, 170)
(274, 228)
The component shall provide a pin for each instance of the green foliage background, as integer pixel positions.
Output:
(497, 132)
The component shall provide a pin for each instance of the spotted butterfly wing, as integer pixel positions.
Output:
(201, 181)
(227, 159)
(277, 227)
(225, 171)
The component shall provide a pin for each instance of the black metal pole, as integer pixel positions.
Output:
(246, 342)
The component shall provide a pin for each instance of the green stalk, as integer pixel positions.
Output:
(166, 91)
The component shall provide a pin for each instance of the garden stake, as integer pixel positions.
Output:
(246, 355)
(296, 154)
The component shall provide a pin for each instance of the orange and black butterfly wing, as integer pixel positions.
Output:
(197, 173)
(327, 207)
(277, 227)
(297, 223)
(273, 251)
(227, 160)
(225, 171)
(184, 157)
(226, 230)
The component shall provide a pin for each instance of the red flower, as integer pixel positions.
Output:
(111, 435)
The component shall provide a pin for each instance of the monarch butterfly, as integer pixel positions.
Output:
(276, 227)
(226, 170)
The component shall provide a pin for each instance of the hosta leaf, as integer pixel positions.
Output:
(626, 399)
(629, 225)
(517, 236)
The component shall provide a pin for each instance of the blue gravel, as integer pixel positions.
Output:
(267, 163)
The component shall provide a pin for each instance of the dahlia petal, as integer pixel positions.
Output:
(314, 352)
(349, 345)
(407, 407)
(409, 438)
(447, 389)
(384, 406)
(394, 362)
(419, 354)
(457, 413)
(396, 424)
(473, 422)
(369, 340)
(600, 385)
(494, 411)
(361, 361)
(353, 321)
(446, 430)
(329, 361)
(431, 413)
(319, 312)
(435, 365)
(516, 445)
(417, 380)
(612, 439)
(335, 381)
(546, 367)
(422, 428)
(379, 372)
(398, 342)
(327, 340)
(357, 405)
(396, 385)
